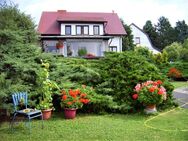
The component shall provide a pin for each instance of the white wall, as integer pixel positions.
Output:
(144, 41)
(116, 41)
(73, 28)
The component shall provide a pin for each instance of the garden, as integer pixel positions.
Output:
(122, 96)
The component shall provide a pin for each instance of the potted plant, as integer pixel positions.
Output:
(82, 52)
(150, 93)
(71, 100)
(46, 106)
(46, 88)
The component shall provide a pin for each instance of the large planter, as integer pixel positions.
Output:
(69, 113)
(150, 109)
(46, 114)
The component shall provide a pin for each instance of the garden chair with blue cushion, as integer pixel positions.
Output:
(21, 98)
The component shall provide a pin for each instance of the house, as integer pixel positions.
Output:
(69, 33)
(142, 39)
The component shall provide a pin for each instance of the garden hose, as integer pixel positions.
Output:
(167, 130)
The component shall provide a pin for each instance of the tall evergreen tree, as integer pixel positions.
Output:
(166, 33)
(151, 31)
(18, 52)
(181, 30)
(127, 41)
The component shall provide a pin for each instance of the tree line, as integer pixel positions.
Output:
(163, 34)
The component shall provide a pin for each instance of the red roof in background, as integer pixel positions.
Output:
(49, 22)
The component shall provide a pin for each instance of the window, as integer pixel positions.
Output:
(86, 30)
(137, 40)
(113, 48)
(96, 30)
(67, 29)
(82, 30)
(78, 30)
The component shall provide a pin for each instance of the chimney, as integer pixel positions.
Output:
(61, 11)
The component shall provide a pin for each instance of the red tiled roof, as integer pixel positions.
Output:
(80, 19)
(49, 22)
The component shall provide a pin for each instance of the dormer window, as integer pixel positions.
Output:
(96, 30)
(67, 29)
(82, 29)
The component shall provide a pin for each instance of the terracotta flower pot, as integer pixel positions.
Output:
(150, 109)
(69, 113)
(46, 114)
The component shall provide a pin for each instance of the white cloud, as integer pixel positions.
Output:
(137, 11)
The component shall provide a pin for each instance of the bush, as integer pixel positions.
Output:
(113, 78)
(173, 51)
(120, 72)
(174, 73)
(183, 67)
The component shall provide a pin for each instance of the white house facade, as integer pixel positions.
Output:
(140, 38)
(93, 32)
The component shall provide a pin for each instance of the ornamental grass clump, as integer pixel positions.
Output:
(73, 99)
(150, 92)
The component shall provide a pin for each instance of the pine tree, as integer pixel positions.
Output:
(18, 52)
(181, 30)
(151, 31)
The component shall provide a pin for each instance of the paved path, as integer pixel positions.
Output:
(181, 94)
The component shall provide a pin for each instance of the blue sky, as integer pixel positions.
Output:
(131, 11)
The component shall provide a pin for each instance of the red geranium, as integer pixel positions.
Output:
(150, 92)
(73, 98)
(135, 96)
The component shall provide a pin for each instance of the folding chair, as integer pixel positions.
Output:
(22, 98)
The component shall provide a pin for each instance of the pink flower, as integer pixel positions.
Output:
(162, 90)
(148, 82)
(137, 87)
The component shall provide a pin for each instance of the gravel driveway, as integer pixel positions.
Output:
(181, 94)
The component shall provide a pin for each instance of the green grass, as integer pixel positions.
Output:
(112, 127)
(178, 84)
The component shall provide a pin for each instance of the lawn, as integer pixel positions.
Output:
(178, 84)
(167, 126)
(110, 127)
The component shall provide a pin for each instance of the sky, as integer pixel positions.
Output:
(131, 11)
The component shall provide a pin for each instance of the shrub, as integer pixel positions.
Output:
(98, 103)
(174, 73)
(120, 72)
(180, 72)
(184, 54)
(173, 51)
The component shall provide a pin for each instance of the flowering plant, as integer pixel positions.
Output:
(73, 98)
(45, 88)
(59, 44)
(150, 92)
